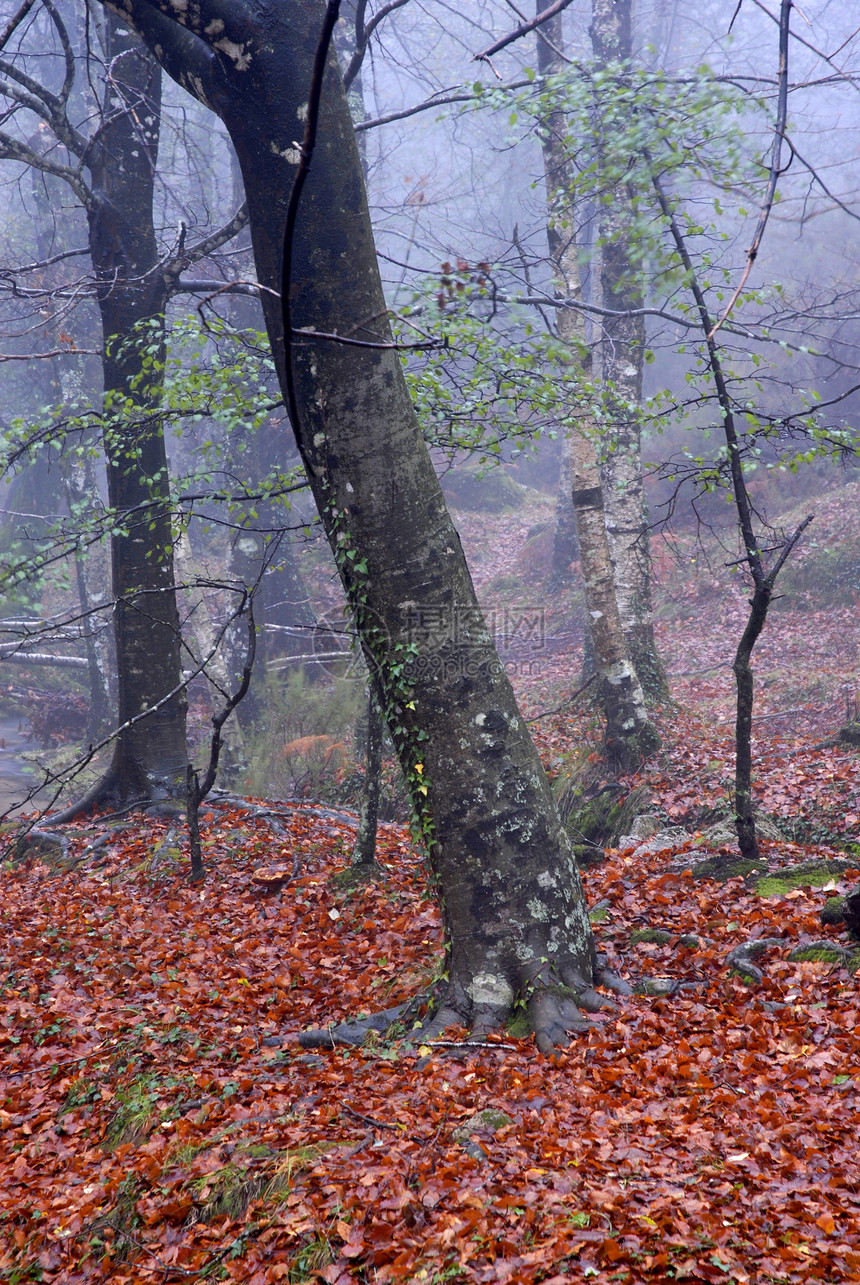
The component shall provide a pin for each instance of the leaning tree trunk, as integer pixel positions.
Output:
(622, 354)
(149, 761)
(515, 917)
(630, 735)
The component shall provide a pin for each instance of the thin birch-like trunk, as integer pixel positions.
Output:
(630, 735)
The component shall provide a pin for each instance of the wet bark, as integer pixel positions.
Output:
(565, 546)
(514, 913)
(622, 350)
(744, 818)
(630, 736)
(150, 755)
(364, 852)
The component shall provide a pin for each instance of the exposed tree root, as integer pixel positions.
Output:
(104, 790)
(46, 842)
(554, 1009)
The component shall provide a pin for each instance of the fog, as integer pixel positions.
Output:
(455, 177)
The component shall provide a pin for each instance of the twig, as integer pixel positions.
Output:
(775, 171)
(368, 1119)
(522, 30)
(545, 713)
(16, 21)
(470, 1044)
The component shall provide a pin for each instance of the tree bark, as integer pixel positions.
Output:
(630, 735)
(364, 852)
(622, 352)
(150, 756)
(514, 913)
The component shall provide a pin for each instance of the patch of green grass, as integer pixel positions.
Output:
(31, 1271)
(254, 1172)
(80, 1093)
(136, 1111)
(314, 1256)
(111, 1231)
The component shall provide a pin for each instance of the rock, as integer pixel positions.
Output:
(728, 866)
(644, 826)
(657, 987)
(740, 958)
(272, 878)
(724, 833)
(851, 910)
(833, 911)
(492, 493)
(804, 874)
(489, 1120)
(658, 936)
(663, 841)
(823, 952)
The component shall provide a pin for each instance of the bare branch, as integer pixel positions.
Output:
(15, 22)
(522, 30)
(775, 170)
(363, 34)
(436, 100)
(182, 259)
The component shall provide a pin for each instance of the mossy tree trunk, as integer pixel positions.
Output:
(514, 913)
(150, 756)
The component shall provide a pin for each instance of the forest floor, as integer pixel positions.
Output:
(160, 1123)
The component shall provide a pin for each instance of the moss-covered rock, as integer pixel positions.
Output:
(805, 874)
(657, 987)
(596, 813)
(493, 492)
(833, 911)
(655, 935)
(489, 1120)
(822, 952)
(723, 833)
(723, 868)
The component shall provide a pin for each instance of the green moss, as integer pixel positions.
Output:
(492, 493)
(599, 915)
(655, 935)
(807, 874)
(724, 868)
(833, 911)
(519, 1026)
(358, 876)
(817, 954)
